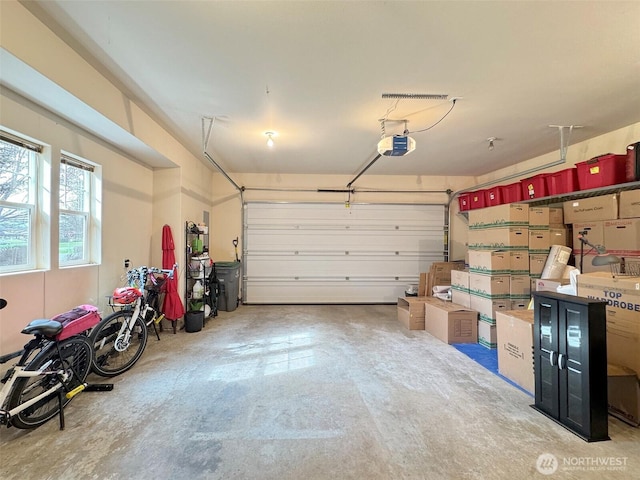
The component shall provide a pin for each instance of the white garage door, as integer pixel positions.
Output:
(303, 253)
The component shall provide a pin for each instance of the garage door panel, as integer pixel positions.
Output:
(329, 244)
(333, 265)
(334, 243)
(335, 291)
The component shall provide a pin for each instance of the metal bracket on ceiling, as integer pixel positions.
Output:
(564, 139)
(205, 137)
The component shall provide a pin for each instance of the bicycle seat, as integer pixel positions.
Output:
(43, 326)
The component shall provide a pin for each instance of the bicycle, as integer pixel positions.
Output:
(52, 369)
(120, 338)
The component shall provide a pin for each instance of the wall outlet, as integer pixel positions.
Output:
(126, 263)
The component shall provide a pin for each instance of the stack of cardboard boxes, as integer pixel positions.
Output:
(411, 310)
(609, 220)
(546, 228)
(498, 251)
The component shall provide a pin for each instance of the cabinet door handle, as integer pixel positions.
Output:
(562, 365)
(552, 358)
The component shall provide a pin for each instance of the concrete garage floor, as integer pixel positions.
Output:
(309, 392)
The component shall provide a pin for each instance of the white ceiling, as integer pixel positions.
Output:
(315, 72)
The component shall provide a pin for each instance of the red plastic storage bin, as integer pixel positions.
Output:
(602, 171)
(464, 202)
(493, 196)
(564, 181)
(478, 199)
(511, 193)
(534, 187)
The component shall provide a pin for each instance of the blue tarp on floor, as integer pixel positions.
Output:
(486, 357)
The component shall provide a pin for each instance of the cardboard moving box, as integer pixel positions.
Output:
(622, 295)
(623, 394)
(461, 298)
(507, 215)
(539, 241)
(594, 232)
(487, 334)
(519, 261)
(550, 284)
(630, 204)
(460, 280)
(487, 307)
(490, 262)
(451, 323)
(510, 238)
(622, 237)
(515, 347)
(539, 217)
(489, 286)
(411, 311)
(604, 207)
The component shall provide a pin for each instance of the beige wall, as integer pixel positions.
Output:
(126, 220)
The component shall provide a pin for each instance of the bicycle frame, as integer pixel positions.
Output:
(141, 306)
(19, 371)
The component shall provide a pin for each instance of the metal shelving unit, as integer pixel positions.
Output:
(558, 199)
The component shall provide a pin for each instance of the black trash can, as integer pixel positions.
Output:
(228, 274)
(193, 321)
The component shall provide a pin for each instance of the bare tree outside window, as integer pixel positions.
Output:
(16, 204)
(74, 201)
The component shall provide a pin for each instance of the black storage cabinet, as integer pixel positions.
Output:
(570, 363)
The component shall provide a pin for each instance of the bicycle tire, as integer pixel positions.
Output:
(109, 361)
(75, 358)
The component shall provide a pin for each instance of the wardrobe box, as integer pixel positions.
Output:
(515, 347)
(622, 295)
(451, 323)
(623, 390)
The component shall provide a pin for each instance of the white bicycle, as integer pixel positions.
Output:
(52, 369)
(120, 338)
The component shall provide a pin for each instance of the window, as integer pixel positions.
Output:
(18, 202)
(76, 188)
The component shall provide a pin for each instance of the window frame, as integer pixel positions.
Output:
(31, 206)
(91, 251)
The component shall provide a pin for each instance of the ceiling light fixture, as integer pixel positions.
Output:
(270, 136)
(491, 140)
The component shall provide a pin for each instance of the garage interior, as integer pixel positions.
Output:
(271, 124)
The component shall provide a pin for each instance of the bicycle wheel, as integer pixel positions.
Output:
(74, 358)
(113, 354)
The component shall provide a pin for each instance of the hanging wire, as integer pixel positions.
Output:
(430, 127)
